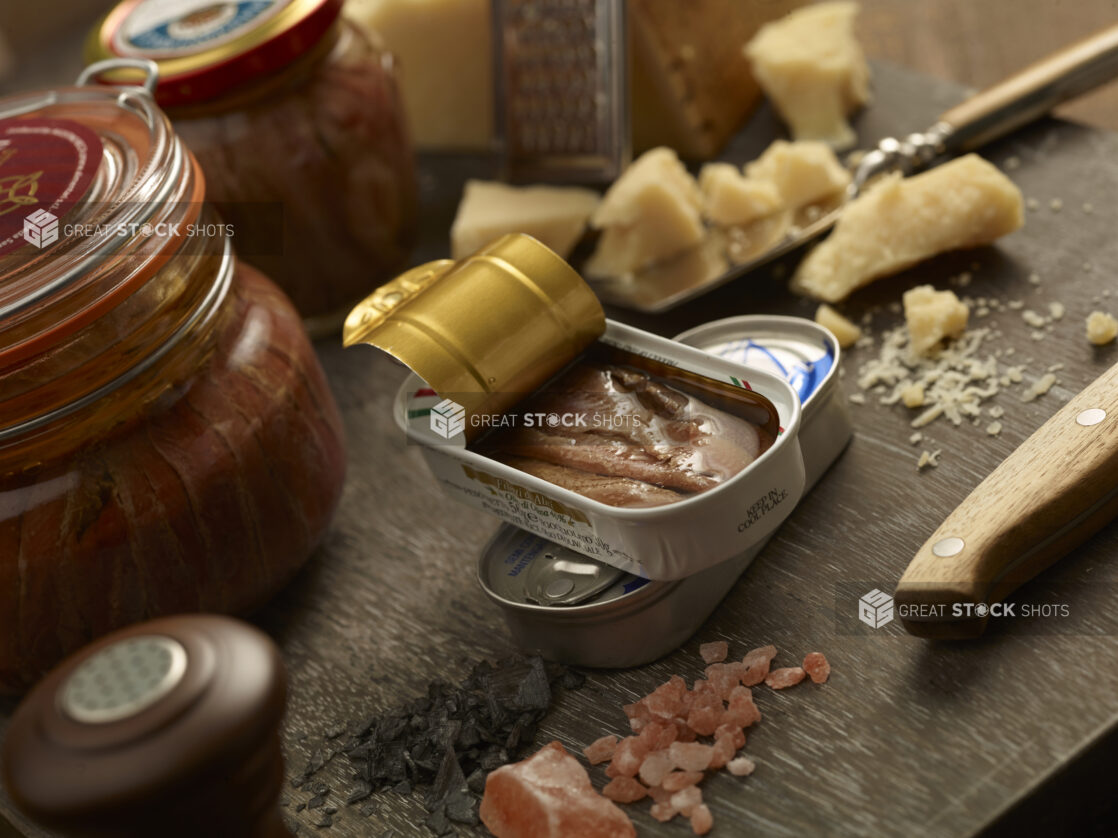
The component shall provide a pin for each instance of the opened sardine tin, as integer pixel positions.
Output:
(512, 284)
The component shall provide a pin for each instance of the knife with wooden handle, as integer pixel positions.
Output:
(1053, 492)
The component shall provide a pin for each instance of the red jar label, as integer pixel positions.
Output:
(46, 167)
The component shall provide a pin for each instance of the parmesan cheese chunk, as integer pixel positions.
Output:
(729, 198)
(649, 214)
(899, 222)
(845, 332)
(812, 68)
(556, 216)
(690, 85)
(931, 316)
(445, 71)
(1102, 328)
(803, 172)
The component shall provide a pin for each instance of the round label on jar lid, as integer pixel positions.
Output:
(206, 48)
(46, 167)
(162, 28)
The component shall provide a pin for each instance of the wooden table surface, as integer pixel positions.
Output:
(908, 738)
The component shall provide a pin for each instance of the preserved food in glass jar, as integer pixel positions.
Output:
(294, 114)
(168, 442)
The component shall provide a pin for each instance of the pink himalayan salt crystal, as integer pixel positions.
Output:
(702, 685)
(657, 736)
(741, 711)
(733, 731)
(637, 725)
(722, 751)
(624, 790)
(666, 701)
(660, 794)
(701, 819)
(663, 812)
(684, 732)
(600, 749)
(655, 767)
(757, 663)
(787, 676)
(548, 795)
(685, 800)
(636, 710)
(736, 670)
(714, 652)
(704, 721)
(690, 756)
(741, 767)
(627, 757)
(680, 780)
(722, 678)
(816, 666)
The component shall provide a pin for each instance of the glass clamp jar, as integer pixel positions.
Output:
(295, 117)
(168, 441)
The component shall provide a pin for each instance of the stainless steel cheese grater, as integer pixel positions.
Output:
(562, 108)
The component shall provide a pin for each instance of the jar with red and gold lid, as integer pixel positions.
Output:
(295, 117)
(168, 441)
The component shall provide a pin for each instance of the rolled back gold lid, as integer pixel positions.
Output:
(484, 331)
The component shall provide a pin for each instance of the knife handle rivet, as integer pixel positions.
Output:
(947, 547)
(1091, 416)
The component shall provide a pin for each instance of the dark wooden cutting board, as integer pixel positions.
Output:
(1013, 733)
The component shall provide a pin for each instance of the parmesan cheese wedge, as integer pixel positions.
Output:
(812, 68)
(899, 222)
(649, 214)
(556, 216)
(690, 85)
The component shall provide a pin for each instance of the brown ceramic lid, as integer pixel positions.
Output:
(169, 727)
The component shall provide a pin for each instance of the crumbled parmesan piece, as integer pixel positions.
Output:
(1039, 387)
(801, 172)
(729, 198)
(846, 332)
(928, 460)
(1056, 204)
(1102, 328)
(994, 428)
(1034, 279)
(955, 380)
(1056, 310)
(1032, 204)
(913, 395)
(857, 398)
(915, 438)
(996, 412)
(1016, 305)
(932, 315)
(1032, 318)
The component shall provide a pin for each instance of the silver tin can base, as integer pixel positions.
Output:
(616, 629)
